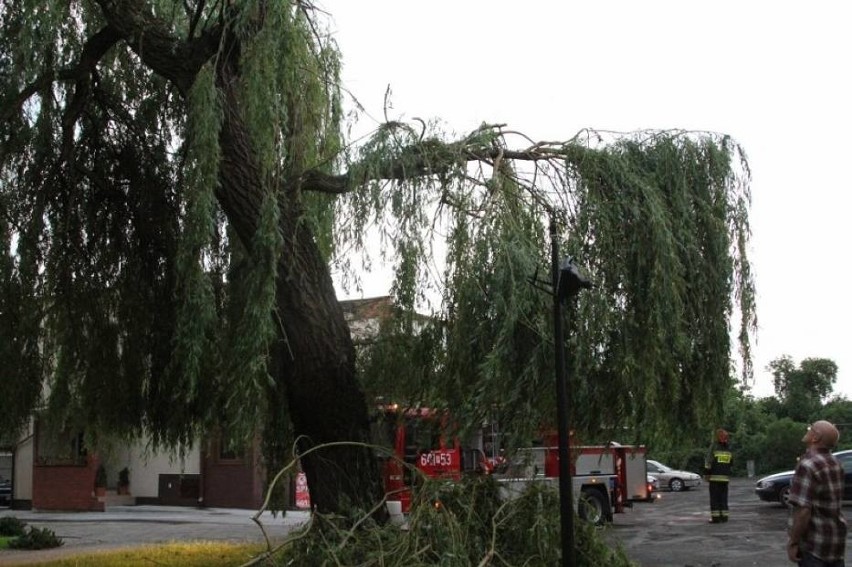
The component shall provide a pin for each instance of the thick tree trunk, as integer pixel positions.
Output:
(318, 371)
(315, 355)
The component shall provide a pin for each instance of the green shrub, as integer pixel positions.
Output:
(101, 477)
(124, 477)
(11, 526)
(36, 538)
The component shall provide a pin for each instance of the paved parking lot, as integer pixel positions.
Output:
(674, 531)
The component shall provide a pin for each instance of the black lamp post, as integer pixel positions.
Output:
(567, 283)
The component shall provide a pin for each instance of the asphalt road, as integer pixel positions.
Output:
(674, 531)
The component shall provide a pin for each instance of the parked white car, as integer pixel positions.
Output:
(673, 479)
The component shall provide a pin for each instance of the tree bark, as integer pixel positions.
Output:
(315, 354)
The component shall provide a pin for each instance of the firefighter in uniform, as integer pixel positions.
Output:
(718, 473)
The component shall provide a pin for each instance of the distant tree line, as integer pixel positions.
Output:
(769, 430)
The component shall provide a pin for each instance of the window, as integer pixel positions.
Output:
(230, 449)
(65, 447)
(425, 434)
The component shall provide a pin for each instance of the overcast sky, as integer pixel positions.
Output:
(775, 76)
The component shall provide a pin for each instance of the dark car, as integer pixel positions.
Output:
(5, 492)
(776, 487)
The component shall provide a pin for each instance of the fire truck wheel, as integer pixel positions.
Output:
(593, 506)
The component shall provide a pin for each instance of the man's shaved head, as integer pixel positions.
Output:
(824, 434)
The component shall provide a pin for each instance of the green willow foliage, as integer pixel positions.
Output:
(472, 526)
(657, 219)
(125, 293)
(662, 226)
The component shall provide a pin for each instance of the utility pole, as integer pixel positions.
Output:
(567, 283)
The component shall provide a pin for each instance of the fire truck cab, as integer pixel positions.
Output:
(420, 439)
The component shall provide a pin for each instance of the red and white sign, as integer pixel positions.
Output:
(303, 497)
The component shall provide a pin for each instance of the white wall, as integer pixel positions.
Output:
(147, 466)
(22, 489)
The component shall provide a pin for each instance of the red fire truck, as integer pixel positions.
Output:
(606, 479)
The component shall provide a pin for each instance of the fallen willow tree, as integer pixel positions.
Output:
(462, 524)
(175, 191)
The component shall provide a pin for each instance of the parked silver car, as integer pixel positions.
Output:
(673, 479)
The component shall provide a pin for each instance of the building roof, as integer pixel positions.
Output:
(369, 308)
(365, 316)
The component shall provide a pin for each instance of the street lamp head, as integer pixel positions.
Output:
(571, 280)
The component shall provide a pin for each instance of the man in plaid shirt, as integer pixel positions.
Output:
(818, 529)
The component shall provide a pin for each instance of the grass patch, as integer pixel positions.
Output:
(193, 554)
(4, 541)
